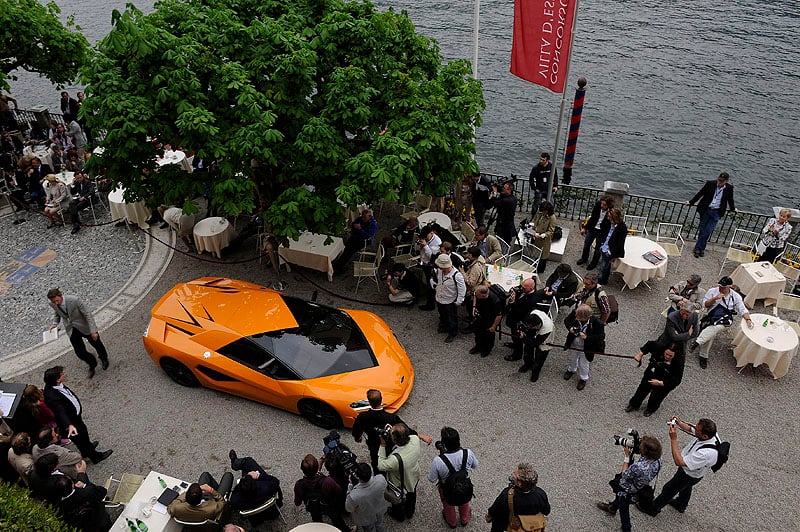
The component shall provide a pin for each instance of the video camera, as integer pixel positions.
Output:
(338, 455)
(631, 442)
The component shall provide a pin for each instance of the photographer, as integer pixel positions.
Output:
(633, 479)
(534, 331)
(594, 295)
(505, 203)
(679, 328)
(721, 304)
(365, 500)
(404, 287)
(319, 494)
(694, 462)
(488, 311)
(585, 338)
(400, 461)
(663, 374)
(523, 301)
(526, 501)
(372, 422)
(450, 452)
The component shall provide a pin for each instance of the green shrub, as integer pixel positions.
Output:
(20, 513)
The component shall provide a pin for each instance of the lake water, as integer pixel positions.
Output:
(677, 91)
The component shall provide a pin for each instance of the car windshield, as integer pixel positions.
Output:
(326, 342)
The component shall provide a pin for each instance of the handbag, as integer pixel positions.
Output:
(761, 247)
(396, 495)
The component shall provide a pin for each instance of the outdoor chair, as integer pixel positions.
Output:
(637, 225)
(741, 248)
(421, 204)
(403, 254)
(788, 263)
(526, 258)
(791, 303)
(120, 490)
(270, 503)
(504, 248)
(669, 236)
(363, 270)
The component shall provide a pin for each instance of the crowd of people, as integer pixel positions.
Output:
(41, 440)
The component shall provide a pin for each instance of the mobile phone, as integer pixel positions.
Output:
(184, 485)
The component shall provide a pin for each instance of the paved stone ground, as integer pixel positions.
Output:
(154, 424)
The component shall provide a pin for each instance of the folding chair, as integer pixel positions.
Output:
(788, 263)
(788, 302)
(637, 225)
(504, 248)
(421, 204)
(669, 236)
(741, 248)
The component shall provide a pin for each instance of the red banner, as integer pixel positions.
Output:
(542, 33)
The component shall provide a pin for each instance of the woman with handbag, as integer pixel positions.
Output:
(635, 480)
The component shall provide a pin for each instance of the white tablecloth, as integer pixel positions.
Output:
(156, 522)
(136, 212)
(213, 235)
(774, 345)
(44, 155)
(311, 251)
(634, 267)
(440, 218)
(759, 280)
(508, 278)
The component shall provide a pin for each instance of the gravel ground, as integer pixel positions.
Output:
(153, 423)
(92, 264)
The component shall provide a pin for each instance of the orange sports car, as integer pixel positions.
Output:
(250, 341)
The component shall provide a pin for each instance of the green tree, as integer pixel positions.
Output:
(33, 38)
(327, 93)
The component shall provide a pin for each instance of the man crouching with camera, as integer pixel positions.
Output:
(635, 478)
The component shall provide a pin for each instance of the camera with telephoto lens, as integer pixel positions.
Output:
(631, 442)
(384, 432)
(338, 455)
(440, 447)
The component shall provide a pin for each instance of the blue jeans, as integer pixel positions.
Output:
(538, 197)
(708, 222)
(592, 235)
(605, 268)
(680, 485)
(622, 502)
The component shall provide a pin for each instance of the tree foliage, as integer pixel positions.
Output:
(34, 39)
(326, 93)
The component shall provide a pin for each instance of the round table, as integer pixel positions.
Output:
(774, 345)
(213, 235)
(634, 267)
(136, 212)
(314, 527)
(440, 218)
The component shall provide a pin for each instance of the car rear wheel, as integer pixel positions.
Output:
(178, 372)
(320, 414)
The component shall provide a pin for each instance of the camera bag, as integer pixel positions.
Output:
(723, 452)
(526, 523)
(396, 495)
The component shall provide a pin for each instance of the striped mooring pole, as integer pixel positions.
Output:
(574, 129)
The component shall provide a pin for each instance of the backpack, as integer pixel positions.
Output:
(457, 488)
(723, 451)
(313, 497)
(613, 307)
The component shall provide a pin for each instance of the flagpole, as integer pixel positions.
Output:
(563, 103)
(476, 24)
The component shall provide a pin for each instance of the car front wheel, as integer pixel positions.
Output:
(179, 372)
(319, 414)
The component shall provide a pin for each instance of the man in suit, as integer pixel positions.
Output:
(204, 499)
(78, 324)
(36, 175)
(48, 441)
(69, 105)
(586, 337)
(715, 199)
(612, 243)
(81, 505)
(68, 410)
(254, 489)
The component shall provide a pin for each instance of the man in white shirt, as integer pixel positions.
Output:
(407, 447)
(721, 303)
(450, 292)
(694, 461)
